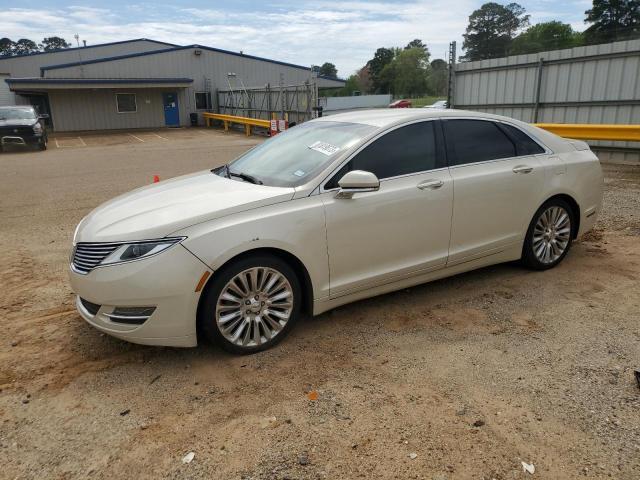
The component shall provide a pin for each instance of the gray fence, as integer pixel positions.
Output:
(593, 84)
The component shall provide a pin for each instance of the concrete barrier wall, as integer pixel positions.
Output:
(337, 104)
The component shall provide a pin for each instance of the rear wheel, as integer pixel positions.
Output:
(251, 305)
(549, 235)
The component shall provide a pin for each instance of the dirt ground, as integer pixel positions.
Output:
(461, 378)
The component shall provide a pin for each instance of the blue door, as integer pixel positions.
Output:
(171, 115)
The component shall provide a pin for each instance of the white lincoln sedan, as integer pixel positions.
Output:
(333, 210)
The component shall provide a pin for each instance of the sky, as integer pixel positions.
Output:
(303, 32)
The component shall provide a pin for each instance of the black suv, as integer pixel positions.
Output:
(22, 126)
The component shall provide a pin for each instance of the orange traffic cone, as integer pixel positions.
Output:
(156, 179)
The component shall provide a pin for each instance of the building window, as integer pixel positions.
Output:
(203, 100)
(126, 103)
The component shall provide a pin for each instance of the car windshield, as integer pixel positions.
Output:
(291, 158)
(17, 114)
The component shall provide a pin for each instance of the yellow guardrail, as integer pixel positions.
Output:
(579, 131)
(229, 119)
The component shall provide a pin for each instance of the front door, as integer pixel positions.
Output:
(400, 230)
(171, 115)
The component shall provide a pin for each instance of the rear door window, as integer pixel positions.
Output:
(525, 145)
(471, 141)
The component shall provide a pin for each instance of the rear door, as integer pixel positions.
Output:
(498, 182)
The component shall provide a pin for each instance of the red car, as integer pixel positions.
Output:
(400, 104)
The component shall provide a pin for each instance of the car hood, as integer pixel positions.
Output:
(160, 209)
(22, 122)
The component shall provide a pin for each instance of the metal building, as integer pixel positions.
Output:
(139, 83)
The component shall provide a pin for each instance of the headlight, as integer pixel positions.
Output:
(137, 250)
(37, 128)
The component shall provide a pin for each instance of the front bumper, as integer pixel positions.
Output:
(166, 281)
(21, 139)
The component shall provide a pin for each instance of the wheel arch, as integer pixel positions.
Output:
(293, 261)
(575, 207)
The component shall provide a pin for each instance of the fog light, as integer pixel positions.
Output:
(131, 315)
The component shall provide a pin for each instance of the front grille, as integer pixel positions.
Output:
(90, 307)
(87, 255)
(15, 131)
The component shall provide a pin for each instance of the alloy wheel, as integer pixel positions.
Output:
(551, 234)
(254, 306)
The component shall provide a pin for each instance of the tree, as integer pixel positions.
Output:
(438, 78)
(364, 80)
(380, 60)
(545, 36)
(612, 20)
(328, 70)
(24, 46)
(53, 43)
(409, 71)
(491, 29)
(6, 47)
(350, 86)
(417, 43)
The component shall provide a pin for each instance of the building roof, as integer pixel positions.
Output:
(88, 46)
(61, 83)
(177, 48)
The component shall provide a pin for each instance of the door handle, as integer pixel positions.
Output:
(430, 184)
(522, 169)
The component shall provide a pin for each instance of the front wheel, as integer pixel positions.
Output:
(42, 144)
(549, 235)
(251, 305)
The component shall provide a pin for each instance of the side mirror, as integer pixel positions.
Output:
(357, 181)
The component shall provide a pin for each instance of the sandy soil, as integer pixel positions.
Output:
(473, 374)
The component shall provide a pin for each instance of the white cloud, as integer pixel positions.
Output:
(305, 32)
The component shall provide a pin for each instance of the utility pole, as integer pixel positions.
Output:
(452, 75)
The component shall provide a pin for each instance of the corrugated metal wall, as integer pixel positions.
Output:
(7, 97)
(96, 110)
(592, 84)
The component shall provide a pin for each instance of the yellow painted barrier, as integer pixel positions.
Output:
(579, 131)
(229, 119)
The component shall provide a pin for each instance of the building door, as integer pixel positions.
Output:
(171, 115)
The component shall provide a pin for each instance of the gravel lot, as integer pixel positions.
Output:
(461, 378)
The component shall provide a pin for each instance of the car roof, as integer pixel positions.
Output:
(21, 107)
(382, 117)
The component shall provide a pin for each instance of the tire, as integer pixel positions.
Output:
(243, 328)
(42, 144)
(549, 235)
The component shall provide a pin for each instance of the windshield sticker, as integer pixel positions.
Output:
(324, 148)
(299, 173)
